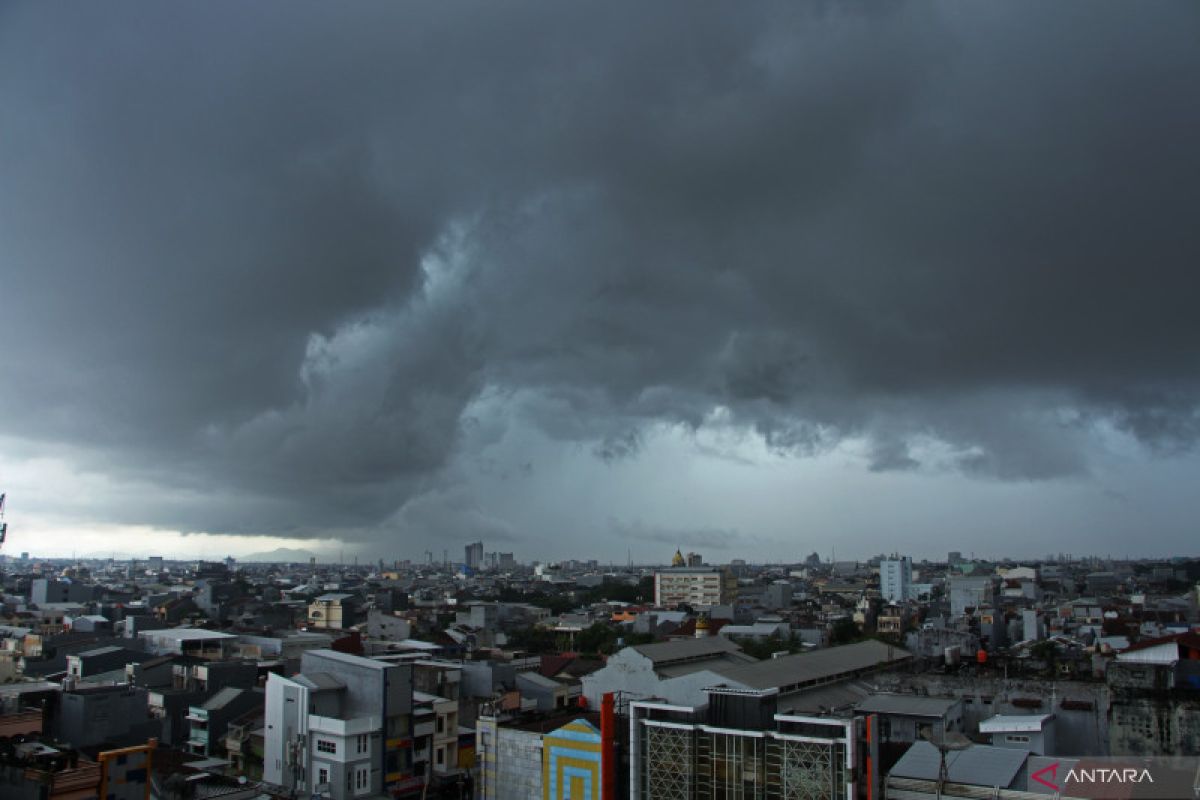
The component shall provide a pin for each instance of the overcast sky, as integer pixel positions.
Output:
(748, 279)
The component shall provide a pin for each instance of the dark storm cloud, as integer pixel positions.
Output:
(709, 538)
(271, 254)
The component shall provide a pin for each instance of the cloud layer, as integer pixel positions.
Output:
(272, 259)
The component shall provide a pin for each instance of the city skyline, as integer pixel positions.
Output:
(809, 278)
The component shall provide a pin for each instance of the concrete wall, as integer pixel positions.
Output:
(286, 717)
(509, 762)
(94, 717)
(518, 765)
(381, 625)
(1154, 723)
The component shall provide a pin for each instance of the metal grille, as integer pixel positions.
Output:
(668, 760)
(806, 770)
(730, 767)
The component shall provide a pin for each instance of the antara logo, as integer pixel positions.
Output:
(1076, 775)
(1052, 770)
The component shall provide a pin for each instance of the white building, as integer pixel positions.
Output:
(693, 586)
(340, 729)
(1032, 732)
(895, 579)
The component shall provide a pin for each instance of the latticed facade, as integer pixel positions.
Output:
(677, 756)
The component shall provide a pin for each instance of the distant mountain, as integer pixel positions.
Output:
(283, 555)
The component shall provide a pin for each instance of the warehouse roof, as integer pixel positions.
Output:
(794, 672)
(663, 653)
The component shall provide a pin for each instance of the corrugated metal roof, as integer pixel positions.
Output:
(819, 665)
(684, 649)
(716, 664)
(537, 679)
(1015, 723)
(978, 765)
(830, 699)
(906, 705)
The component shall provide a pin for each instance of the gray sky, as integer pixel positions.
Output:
(755, 281)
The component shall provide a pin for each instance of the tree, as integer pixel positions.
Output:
(844, 631)
(634, 639)
(597, 638)
(1047, 653)
(534, 639)
(763, 649)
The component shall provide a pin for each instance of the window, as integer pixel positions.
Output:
(362, 743)
(1017, 739)
(441, 756)
(326, 746)
(441, 724)
(322, 776)
(362, 778)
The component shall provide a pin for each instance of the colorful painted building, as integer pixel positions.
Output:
(571, 765)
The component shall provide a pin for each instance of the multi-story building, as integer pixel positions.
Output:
(778, 595)
(474, 555)
(740, 745)
(895, 579)
(435, 735)
(971, 593)
(694, 586)
(560, 755)
(679, 672)
(342, 726)
(209, 720)
(334, 611)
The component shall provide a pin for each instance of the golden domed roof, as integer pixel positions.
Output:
(678, 560)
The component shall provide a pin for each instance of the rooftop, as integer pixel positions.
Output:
(100, 651)
(790, 673)
(186, 634)
(347, 658)
(321, 682)
(978, 765)
(537, 679)
(222, 698)
(1015, 723)
(906, 705)
(663, 653)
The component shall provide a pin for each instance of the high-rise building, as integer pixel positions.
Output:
(695, 560)
(895, 579)
(474, 555)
